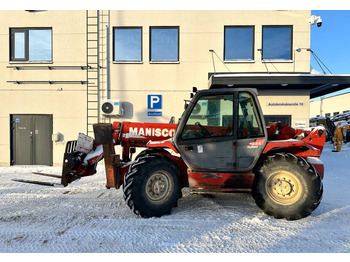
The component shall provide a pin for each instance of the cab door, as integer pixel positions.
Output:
(206, 136)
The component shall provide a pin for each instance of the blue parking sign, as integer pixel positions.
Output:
(154, 101)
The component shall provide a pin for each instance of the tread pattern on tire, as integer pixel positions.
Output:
(310, 179)
(136, 178)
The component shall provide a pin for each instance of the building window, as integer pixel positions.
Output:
(239, 43)
(335, 113)
(164, 44)
(278, 118)
(277, 42)
(31, 44)
(327, 115)
(127, 44)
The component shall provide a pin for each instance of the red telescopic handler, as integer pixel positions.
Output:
(220, 144)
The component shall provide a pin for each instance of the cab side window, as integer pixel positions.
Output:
(249, 124)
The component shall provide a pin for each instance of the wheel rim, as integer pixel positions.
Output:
(283, 187)
(159, 187)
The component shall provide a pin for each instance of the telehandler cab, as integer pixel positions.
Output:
(221, 144)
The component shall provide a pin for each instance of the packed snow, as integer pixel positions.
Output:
(86, 217)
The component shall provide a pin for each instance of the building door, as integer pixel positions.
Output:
(31, 142)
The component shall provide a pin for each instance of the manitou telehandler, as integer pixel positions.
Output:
(220, 144)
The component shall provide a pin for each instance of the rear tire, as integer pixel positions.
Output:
(286, 186)
(152, 185)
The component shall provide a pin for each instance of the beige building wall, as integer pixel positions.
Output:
(294, 103)
(200, 31)
(68, 106)
(132, 82)
(330, 106)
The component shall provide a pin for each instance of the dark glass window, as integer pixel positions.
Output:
(164, 44)
(239, 43)
(31, 44)
(249, 124)
(278, 118)
(128, 44)
(277, 42)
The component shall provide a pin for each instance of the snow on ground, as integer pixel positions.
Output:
(86, 217)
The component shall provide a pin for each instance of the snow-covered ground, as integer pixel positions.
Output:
(86, 217)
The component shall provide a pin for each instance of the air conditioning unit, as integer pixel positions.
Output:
(112, 107)
(201, 109)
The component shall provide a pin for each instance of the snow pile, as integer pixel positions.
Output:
(86, 217)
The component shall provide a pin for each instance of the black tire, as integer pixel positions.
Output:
(152, 186)
(151, 151)
(286, 186)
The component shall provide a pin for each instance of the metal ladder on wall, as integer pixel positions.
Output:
(97, 30)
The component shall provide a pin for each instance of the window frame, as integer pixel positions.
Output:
(178, 45)
(253, 44)
(26, 30)
(128, 61)
(291, 44)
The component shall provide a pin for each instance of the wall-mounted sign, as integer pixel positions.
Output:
(300, 124)
(156, 113)
(154, 102)
(286, 104)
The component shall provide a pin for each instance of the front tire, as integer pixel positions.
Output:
(152, 185)
(286, 186)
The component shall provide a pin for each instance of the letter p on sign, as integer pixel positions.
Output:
(154, 101)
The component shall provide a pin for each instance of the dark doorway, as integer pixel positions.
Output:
(31, 142)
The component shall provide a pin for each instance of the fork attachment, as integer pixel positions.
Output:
(70, 163)
(42, 183)
(37, 182)
(68, 174)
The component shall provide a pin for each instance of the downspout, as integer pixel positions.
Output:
(108, 84)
